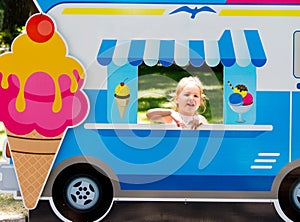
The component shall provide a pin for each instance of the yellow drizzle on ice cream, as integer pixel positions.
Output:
(28, 57)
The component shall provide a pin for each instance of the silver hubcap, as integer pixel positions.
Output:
(296, 195)
(82, 193)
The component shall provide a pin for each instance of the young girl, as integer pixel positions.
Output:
(189, 97)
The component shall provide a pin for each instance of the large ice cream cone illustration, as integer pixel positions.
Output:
(40, 96)
(33, 155)
(122, 97)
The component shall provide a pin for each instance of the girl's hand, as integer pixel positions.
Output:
(174, 115)
(196, 124)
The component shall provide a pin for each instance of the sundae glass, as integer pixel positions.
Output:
(240, 101)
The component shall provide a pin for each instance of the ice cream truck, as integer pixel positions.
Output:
(74, 83)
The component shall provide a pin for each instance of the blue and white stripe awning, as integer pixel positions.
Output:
(242, 47)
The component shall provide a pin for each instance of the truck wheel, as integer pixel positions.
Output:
(82, 193)
(289, 195)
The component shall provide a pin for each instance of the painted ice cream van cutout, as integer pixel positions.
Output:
(73, 78)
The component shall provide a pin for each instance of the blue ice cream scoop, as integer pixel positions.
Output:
(236, 99)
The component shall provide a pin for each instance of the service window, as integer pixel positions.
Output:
(157, 85)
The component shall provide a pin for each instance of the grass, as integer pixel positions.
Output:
(11, 207)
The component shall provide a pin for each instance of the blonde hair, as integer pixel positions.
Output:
(196, 81)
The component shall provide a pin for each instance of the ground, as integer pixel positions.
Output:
(11, 207)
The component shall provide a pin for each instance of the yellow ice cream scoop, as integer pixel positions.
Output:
(241, 89)
(122, 90)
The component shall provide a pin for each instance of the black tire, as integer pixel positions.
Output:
(82, 193)
(289, 195)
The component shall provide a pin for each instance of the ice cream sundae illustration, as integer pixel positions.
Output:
(40, 96)
(122, 97)
(240, 101)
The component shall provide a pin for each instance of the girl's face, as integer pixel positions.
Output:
(188, 100)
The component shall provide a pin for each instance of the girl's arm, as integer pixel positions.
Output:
(161, 115)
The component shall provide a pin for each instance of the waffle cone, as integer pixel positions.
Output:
(33, 156)
(122, 105)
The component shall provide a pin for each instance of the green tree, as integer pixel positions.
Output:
(2, 4)
(16, 13)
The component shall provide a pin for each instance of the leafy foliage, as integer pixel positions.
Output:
(7, 36)
(13, 16)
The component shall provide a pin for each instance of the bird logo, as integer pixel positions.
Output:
(192, 11)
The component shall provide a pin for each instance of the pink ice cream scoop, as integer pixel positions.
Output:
(39, 96)
(248, 99)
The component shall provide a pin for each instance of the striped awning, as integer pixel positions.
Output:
(242, 47)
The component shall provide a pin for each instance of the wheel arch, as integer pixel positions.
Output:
(102, 166)
(286, 170)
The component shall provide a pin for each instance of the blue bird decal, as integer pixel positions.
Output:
(193, 11)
